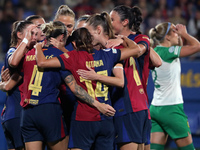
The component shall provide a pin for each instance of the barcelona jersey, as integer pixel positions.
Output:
(142, 61)
(102, 62)
(41, 85)
(132, 98)
(12, 108)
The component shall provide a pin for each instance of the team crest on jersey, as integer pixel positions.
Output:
(66, 55)
(171, 49)
(114, 50)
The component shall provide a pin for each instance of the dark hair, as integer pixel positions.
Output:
(83, 39)
(33, 17)
(64, 10)
(54, 29)
(158, 33)
(134, 16)
(18, 26)
(83, 18)
(104, 20)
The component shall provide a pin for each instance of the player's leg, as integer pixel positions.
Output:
(185, 143)
(59, 145)
(181, 130)
(128, 146)
(158, 135)
(34, 145)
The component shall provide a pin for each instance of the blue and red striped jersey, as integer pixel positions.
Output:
(12, 108)
(102, 61)
(41, 85)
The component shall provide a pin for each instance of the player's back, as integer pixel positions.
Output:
(40, 85)
(102, 62)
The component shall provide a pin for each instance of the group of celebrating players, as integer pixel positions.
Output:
(84, 86)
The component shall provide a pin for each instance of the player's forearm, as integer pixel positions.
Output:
(113, 81)
(79, 91)
(190, 39)
(17, 56)
(40, 58)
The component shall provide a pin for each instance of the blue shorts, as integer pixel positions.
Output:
(148, 132)
(85, 133)
(13, 133)
(43, 123)
(131, 127)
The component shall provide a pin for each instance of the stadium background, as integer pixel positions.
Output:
(154, 11)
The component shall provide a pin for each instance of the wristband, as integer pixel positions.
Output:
(118, 67)
(25, 41)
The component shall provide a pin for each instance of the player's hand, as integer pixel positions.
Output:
(106, 109)
(89, 74)
(113, 42)
(180, 29)
(57, 43)
(29, 31)
(5, 74)
(39, 45)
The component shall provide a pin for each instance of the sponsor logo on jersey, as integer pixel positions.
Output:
(96, 63)
(31, 101)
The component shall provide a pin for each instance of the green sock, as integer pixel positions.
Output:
(157, 146)
(188, 147)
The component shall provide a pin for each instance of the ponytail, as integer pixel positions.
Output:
(103, 20)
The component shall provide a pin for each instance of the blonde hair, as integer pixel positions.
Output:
(64, 10)
(158, 33)
(54, 29)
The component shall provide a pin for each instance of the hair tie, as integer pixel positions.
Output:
(168, 27)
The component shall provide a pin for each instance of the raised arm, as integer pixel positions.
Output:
(117, 80)
(193, 44)
(155, 58)
(8, 85)
(131, 49)
(17, 56)
(84, 96)
(41, 60)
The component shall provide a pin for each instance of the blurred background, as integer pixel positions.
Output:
(186, 12)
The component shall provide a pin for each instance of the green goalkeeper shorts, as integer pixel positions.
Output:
(170, 119)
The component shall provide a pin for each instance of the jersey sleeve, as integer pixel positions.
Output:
(142, 39)
(65, 61)
(169, 54)
(116, 54)
(64, 73)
